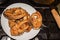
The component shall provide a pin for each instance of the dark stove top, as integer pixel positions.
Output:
(50, 32)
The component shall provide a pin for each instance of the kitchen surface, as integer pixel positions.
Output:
(50, 28)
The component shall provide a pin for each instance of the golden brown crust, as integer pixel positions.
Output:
(20, 25)
(15, 13)
(20, 21)
(36, 20)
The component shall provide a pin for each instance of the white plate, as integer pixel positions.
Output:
(5, 26)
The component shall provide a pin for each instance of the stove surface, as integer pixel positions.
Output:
(50, 32)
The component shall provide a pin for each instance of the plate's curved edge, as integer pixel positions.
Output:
(2, 14)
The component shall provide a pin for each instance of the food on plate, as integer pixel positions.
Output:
(36, 20)
(11, 23)
(14, 32)
(20, 21)
(15, 13)
(20, 25)
(29, 28)
(17, 30)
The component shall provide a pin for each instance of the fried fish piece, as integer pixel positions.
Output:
(11, 23)
(36, 20)
(28, 29)
(14, 32)
(15, 13)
